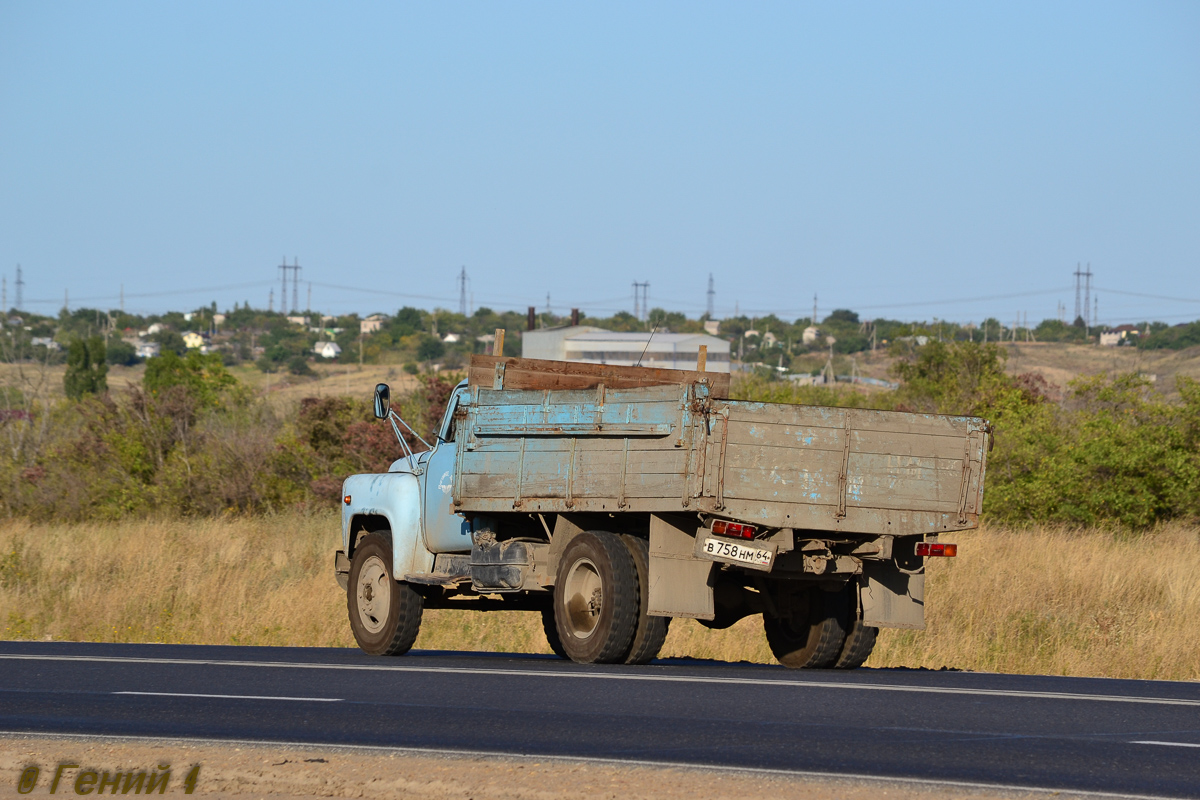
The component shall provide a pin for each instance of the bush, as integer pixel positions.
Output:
(86, 368)
(121, 353)
(204, 376)
(298, 365)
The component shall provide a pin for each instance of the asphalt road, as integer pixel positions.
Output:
(1137, 737)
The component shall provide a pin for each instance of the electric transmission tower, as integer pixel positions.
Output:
(462, 291)
(1083, 294)
(641, 309)
(20, 289)
(296, 284)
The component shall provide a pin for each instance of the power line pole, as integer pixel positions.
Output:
(462, 291)
(20, 289)
(4, 294)
(1087, 296)
(295, 284)
(1079, 310)
(641, 310)
(308, 307)
(122, 298)
(283, 269)
(271, 301)
(711, 294)
(814, 316)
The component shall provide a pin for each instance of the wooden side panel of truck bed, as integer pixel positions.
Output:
(851, 470)
(670, 449)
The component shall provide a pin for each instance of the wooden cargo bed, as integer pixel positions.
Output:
(671, 446)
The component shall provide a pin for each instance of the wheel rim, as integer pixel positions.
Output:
(374, 593)
(584, 598)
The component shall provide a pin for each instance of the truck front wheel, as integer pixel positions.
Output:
(596, 601)
(812, 635)
(385, 614)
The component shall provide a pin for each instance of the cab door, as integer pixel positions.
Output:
(445, 530)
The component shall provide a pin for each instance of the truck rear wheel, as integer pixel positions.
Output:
(651, 631)
(860, 639)
(596, 599)
(813, 635)
(385, 614)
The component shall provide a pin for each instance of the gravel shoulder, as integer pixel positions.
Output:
(251, 770)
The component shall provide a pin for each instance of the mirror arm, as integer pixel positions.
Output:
(394, 416)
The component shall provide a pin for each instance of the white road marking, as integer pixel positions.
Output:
(236, 696)
(1170, 744)
(614, 762)
(622, 676)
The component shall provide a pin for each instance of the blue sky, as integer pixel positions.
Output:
(903, 160)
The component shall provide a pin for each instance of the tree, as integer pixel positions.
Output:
(121, 352)
(86, 368)
(429, 349)
(205, 376)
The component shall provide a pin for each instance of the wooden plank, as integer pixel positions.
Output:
(798, 439)
(862, 419)
(530, 373)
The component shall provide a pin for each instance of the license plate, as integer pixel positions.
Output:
(737, 553)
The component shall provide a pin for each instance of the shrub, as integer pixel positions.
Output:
(86, 368)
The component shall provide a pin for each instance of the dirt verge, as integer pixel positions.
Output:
(252, 770)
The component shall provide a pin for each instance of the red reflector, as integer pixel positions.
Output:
(737, 529)
(346, 499)
(926, 549)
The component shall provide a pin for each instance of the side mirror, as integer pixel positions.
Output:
(383, 400)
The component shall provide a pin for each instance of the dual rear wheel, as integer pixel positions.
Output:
(601, 596)
(820, 630)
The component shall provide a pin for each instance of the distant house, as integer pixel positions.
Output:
(588, 345)
(46, 342)
(451, 338)
(193, 340)
(712, 326)
(298, 320)
(370, 324)
(769, 339)
(1118, 335)
(327, 349)
(811, 334)
(157, 327)
(144, 349)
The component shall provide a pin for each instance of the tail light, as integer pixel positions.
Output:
(735, 529)
(926, 549)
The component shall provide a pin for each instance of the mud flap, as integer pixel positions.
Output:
(890, 598)
(679, 581)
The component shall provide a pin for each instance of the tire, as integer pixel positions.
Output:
(651, 631)
(551, 631)
(860, 639)
(812, 638)
(385, 614)
(596, 599)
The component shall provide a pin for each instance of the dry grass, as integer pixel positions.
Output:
(1041, 601)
